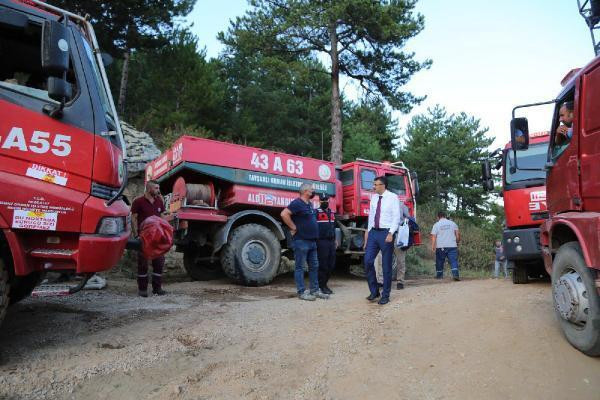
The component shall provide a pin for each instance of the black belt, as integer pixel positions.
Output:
(380, 229)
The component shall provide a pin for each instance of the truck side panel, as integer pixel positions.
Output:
(590, 140)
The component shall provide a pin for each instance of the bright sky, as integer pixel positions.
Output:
(487, 56)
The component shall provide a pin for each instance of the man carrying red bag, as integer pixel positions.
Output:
(144, 207)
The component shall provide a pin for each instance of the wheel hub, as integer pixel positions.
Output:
(254, 254)
(571, 298)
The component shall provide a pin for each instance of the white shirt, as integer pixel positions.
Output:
(389, 217)
(444, 233)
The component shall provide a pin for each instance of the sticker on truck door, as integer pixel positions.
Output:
(30, 219)
(46, 174)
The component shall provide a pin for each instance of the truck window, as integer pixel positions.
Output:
(534, 157)
(99, 83)
(397, 184)
(347, 177)
(21, 67)
(561, 141)
(367, 177)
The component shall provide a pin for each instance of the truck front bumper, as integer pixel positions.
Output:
(522, 244)
(99, 253)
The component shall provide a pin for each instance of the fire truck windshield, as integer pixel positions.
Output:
(99, 81)
(534, 157)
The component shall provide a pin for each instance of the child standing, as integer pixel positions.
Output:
(500, 259)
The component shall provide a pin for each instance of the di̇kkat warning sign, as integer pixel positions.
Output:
(30, 219)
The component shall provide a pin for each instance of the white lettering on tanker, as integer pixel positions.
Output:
(47, 174)
(282, 181)
(261, 161)
(30, 219)
(537, 200)
(39, 142)
(38, 203)
(268, 199)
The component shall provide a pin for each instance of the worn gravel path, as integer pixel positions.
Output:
(212, 340)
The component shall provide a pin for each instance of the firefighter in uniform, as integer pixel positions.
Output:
(326, 243)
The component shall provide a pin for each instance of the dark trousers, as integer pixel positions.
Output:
(375, 243)
(157, 269)
(441, 254)
(326, 254)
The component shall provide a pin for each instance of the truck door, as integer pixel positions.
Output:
(45, 162)
(590, 139)
(563, 178)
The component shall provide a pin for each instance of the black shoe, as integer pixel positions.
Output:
(326, 290)
(383, 300)
(456, 278)
(142, 293)
(373, 297)
(399, 285)
(158, 292)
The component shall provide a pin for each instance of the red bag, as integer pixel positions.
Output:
(156, 236)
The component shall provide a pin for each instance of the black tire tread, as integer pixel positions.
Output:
(4, 289)
(228, 255)
(198, 272)
(519, 274)
(591, 349)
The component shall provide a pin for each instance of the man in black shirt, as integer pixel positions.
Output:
(326, 243)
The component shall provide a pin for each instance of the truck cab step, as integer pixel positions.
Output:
(51, 290)
(54, 253)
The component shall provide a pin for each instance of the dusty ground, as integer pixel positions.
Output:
(484, 339)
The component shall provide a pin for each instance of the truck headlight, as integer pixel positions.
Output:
(111, 226)
(519, 247)
(517, 239)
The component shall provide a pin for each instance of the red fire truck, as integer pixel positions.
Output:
(61, 151)
(570, 237)
(226, 199)
(524, 194)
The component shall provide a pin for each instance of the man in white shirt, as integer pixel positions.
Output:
(384, 218)
(444, 242)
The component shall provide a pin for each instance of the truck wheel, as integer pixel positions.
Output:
(22, 286)
(252, 255)
(199, 267)
(4, 289)
(519, 273)
(576, 300)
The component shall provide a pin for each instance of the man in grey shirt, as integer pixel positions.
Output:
(444, 242)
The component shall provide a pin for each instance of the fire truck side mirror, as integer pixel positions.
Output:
(519, 133)
(486, 170)
(488, 185)
(106, 59)
(415, 181)
(59, 89)
(55, 48)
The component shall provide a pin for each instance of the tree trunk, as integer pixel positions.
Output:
(336, 106)
(124, 79)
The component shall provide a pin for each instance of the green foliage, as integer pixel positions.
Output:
(175, 87)
(363, 40)
(446, 151)
(130, 24)
(276, 103)
(370, 131)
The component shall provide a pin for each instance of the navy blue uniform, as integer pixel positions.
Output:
(326, 245)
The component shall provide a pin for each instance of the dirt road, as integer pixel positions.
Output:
(479, 339)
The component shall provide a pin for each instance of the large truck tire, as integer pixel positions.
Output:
(4, 289)
(198, 267)
(22, 286)
(576, 299)
(252, 255)
(519, 273)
